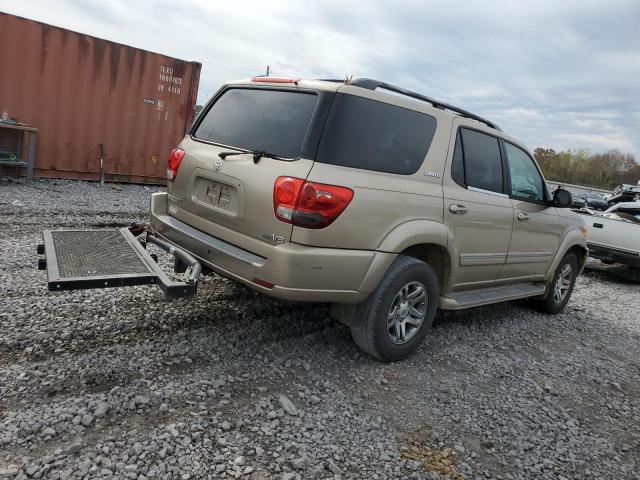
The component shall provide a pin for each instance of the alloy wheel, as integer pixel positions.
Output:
(563, 284)
(407, 312)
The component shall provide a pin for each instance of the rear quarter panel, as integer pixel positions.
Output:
(382, 202)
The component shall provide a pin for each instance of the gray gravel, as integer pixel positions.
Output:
(124, 384)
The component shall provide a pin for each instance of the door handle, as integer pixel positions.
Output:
(523, 216)
(457, 208)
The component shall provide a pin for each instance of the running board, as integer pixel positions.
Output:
(486, 296)
(88, 259)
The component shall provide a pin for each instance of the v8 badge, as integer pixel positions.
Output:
(272, 237)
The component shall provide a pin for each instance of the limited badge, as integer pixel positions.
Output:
(429, 173)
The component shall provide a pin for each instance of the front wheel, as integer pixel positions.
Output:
(396, 318)
(561, 286)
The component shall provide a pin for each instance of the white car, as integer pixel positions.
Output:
(614, 237)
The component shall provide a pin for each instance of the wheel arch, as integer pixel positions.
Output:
(573, 242)
(416, 238)
(581, 252)
(414, 232)
(576, 247)
(434, 255)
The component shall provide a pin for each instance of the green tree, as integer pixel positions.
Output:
(581, 167)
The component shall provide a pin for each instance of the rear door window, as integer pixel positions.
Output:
(477, 161)
(275, 121)
(372, 135)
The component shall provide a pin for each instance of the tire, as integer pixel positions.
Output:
(556, 299)
(399, 289)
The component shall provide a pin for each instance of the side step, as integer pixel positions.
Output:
(486, 296)
(86, 259)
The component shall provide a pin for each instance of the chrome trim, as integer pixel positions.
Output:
(528, 257)
(615, 249)
(530, 254)
(482, 255)
(470, 259)
(488, 192)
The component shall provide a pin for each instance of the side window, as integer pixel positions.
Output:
(372, 135)
(482, 161)
(526, 182)
(457, 165)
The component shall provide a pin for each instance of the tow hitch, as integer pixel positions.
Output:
(83, 259)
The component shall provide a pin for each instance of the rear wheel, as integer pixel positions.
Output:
(395, 319)
(562, 285)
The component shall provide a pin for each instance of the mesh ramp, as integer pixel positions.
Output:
(82, 259)
(88, 253)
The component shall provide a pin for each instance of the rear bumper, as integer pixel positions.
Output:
(614, 255)
(297, 272)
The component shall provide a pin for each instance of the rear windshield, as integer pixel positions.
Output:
(372, 135)
(274, 121)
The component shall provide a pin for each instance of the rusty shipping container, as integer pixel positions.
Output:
(81, 91)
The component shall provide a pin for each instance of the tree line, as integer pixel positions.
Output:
(581, 167)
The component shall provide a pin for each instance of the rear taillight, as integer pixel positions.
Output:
(308, 204)
(173, 164)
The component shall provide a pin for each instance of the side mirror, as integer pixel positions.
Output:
(562, 198)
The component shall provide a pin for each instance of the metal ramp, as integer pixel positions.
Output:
(85, 259)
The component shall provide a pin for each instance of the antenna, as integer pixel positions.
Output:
(267, 70)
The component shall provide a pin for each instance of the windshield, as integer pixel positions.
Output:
(275, 121)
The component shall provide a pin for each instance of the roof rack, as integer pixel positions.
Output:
(371, 84)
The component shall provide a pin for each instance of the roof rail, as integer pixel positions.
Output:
(370, 84)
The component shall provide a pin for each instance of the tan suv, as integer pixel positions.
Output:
(387, 203)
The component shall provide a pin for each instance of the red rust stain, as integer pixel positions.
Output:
(79, 91)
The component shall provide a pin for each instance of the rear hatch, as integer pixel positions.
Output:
(223, 195)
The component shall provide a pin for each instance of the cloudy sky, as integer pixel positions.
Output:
(559, 73)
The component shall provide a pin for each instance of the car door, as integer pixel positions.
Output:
(614, 234)
(477, 211)
(537, 228)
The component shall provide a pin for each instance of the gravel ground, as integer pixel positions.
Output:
(123, 383)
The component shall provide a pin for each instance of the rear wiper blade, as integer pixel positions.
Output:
(257, 155)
